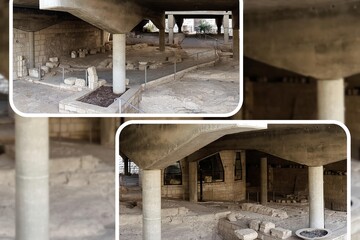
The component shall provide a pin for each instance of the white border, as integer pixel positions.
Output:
(236, 110)
(228, 122)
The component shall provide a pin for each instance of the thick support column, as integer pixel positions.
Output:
(193, 182)
(218, 24)
(226, 28)
(264, 181)
(151, 198)
(235, 27)
(179, 22)
(107, 131)
(32, 178)
(236, 48)
(31, 50)
(119, 63)
(162, 39)
(330, 98)
(171, 23)
(316, 197)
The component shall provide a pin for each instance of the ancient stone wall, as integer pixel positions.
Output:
(56, 41)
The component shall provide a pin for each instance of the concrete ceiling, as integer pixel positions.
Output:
(156, 146)
(160, 5)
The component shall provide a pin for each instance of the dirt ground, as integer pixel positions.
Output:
(81, 193)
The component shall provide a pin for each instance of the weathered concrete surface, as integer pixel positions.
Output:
(114, 17)
(311, 145)
(4, 38)
(155, 146)
(314, 38)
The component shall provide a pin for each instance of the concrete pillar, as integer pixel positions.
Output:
(151, 198)
(316, 197)
(179, 22)
(218, 24)
(226, 28)
(162, 39)
(107, 131)
(235, 27)
(31, 50)
(32, 178)
(119, 63)
(264, 181)
(171, 23)
(193, 182)
(236, 48)
(330, 98)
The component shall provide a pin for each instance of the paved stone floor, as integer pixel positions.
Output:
(355, 197)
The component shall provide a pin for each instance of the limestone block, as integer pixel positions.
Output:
(130, 66)
(73, 54)
(82, 54)
(92, 71)
(34, 72)
(93, 51)
(265, 227)
(54, 59)
(46, 69)
(20, 58)
(70, 80)
(93, 85)
(246, 234)
(52, 64)
(127, 81)
(255, 224)
(80, 82)
(101, 82)
(281, 233)
(231, 217)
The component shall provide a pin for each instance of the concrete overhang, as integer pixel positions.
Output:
(155, 146)
(317, 38)
(310, 144)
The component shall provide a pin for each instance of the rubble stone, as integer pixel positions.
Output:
(80, 82)
(246, 234)
(73, 54)
(281, 233)
(52, 64)
(70, 81)
(54, 59)
(34, 72)
(231, 217)
(46, 69)
(265, 227)
(255, 224)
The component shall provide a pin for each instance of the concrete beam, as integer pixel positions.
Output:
(327, 45)
(112, 16)
(311, 145)
(157, 146)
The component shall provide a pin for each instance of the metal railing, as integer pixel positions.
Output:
(120, 101)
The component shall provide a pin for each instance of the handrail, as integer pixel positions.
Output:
(126, 102)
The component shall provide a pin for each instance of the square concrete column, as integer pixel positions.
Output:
(193, 182)
(331, 100)
(32, 178)
(119, 63)
(171, 24)
(236, 37)
(316, 197)
(226, 28)
(162, 39)
(151, 202)
(31, 50)
(264, 181)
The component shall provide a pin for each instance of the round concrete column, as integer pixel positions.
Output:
(162, 39)
(151, 198)
(119, 63)
(226, 28)
(193, 183)
(331, 103)
(264, 181)
(32, 178)
(236, 48)
(316, 197)
(171, 24)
